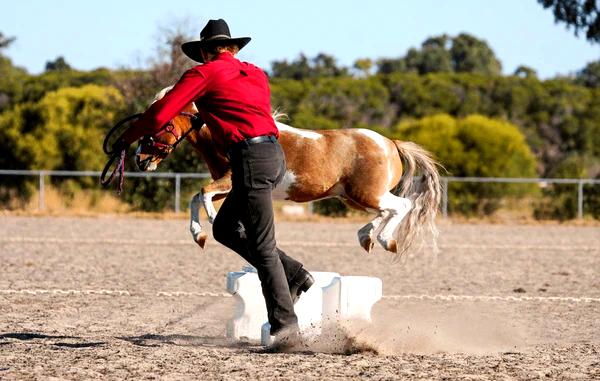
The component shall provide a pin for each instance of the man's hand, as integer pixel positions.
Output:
(197, 122)
(119, 146)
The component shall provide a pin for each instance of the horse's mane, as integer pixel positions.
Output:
(160, 95)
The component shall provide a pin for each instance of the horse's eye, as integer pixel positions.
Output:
(147, 140)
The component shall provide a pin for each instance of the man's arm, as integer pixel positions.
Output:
(189, 87)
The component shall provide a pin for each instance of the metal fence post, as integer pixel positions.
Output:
(177, 192)
(42, 189)
(445, 197)
(580, 199)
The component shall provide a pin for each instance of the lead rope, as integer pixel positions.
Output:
(119, 168)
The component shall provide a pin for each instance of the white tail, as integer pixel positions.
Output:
(425, 194)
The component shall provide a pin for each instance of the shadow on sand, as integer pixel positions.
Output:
(153, 340)
(73, 341)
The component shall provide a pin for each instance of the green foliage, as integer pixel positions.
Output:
(590, 75)
(59, 64)
(11, 78)
(64, 130)
(58, 119)
(5, 42)
(474, 146)
(363, 66)
(560, 200)
(331, 207)
(347, 101)
(581, 15)
(323, 65)
(591, 201)
(22, 88)
(472, 55)
(443, 54)
(525, 72)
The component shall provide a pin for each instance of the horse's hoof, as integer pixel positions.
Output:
(392, 246)
(367, 244)
(201, 240)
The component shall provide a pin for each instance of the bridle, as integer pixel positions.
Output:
(161, 150)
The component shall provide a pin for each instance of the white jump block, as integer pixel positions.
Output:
(250, 309)
(251, 312)
(330, 299)
(351, 297)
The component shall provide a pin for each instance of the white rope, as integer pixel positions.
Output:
(65, 292)
(175, 294)
(111, 292)
(492, 298)
(201, 294)
(116, 241)
(92, 241)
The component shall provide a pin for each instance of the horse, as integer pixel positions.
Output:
(359, 166)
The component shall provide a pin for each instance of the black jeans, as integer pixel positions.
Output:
(245, 224)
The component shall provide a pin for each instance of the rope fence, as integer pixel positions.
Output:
(178, 176)
(424, 297)
(189, 242)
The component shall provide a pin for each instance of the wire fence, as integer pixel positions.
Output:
(178, 176)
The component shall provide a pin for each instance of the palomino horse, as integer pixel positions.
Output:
(358, 166)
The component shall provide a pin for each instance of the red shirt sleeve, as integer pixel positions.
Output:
(190, 86)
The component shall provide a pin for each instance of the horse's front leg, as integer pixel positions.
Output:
(216, 190)
(198, 233)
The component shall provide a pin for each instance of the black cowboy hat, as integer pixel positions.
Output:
(216, 32)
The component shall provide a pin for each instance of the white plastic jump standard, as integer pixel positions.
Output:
(351, 297)
(330, 299)
(250, 309)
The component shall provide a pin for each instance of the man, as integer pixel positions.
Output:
(233, 99)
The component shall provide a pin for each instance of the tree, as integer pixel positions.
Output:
(170, 62)
(166, 67)
(64, 130)
(474, 146)
(391, 65)
(59, 64)
(438, 54)
(525, 72)
(10, 75)
(363, 66)
(434, 56)
(589, 76)
(5, 42)
(472, 55)
(323, 65)
(581, 15)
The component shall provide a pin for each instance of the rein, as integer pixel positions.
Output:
(162, 148)
(119, 168)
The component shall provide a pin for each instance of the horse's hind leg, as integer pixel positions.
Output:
(398, 208)
(365, 234)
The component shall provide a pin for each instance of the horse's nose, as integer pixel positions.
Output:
(141, 163)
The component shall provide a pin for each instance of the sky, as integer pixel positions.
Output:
(125, 33)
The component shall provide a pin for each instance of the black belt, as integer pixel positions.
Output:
(252, 141)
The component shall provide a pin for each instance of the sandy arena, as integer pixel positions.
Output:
(139, 328)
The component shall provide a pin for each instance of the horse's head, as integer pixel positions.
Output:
(153, 149)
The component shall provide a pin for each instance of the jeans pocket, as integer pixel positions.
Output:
(262, 173)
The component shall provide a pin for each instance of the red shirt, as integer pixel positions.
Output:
(232, 97)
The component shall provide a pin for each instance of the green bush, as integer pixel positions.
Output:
(331, 207)
(474, 146)
(560, 200)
